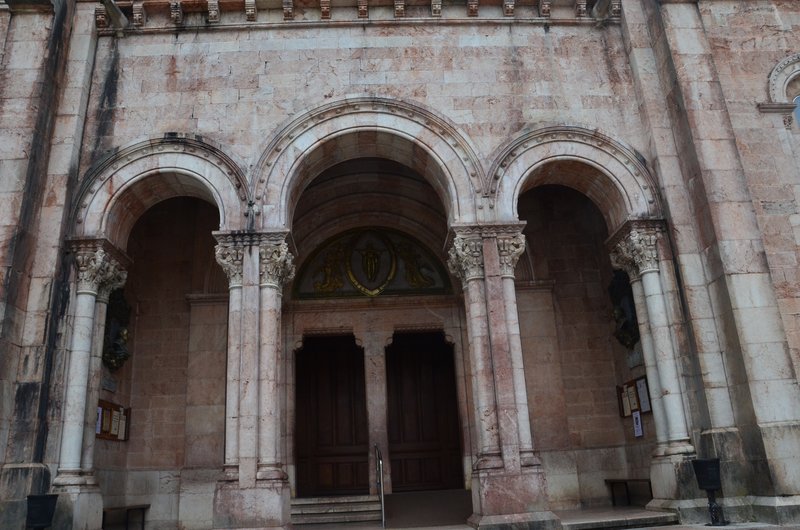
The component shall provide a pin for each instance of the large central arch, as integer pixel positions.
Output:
(368, 126)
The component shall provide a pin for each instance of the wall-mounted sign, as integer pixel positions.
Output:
(633, 397)
(113, 421)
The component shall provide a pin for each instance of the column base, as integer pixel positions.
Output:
(79, 507)
(267, 505)
(270, 472)
(782, 510)
(672, 478)
(527, 458)
(516, 500)
(488, 461)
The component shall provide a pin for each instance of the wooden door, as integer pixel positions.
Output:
(331, 433)
(424, 441)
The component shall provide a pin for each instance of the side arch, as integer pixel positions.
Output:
(367, 126)
(119, 188)
(616, 178)
(785, 72)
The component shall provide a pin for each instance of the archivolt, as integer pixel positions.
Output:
(120, 187)
(367, 126)
(616, 177)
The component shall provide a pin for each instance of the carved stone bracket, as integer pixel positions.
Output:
(250, 11)
(276, 263)
(100, 17)
(101, 269)
(363, 9)
(139, 15)
(635, 248)
(472, 8)
(580, 8)
(436, 8)
(544, 8)
(213, 11)
(399, 8)
(508, 8)
(616, 8)
(176, 12)
(288, 10)
(325, 8)
(510, 248)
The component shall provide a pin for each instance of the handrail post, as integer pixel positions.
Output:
(379, 482)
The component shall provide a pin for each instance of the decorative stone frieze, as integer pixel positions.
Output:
(100, 17)
(436, 8)
(510, 248)
(325, 9)
(544, 8)
(276, 263)
(465, 258)
(176, 12)
(508, 8)
(213, 11)
(399, 8)
(250, 11)
(288, 10)
(472, 8)
(139, 15)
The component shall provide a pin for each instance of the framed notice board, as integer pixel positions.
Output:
(634, 396)
(113, 421)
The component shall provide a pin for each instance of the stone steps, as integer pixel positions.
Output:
(343, 509)
(616, 519)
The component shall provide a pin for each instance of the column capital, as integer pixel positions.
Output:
(275, 262)
(466, 252)
(510, 248)
(465, 257)
(634, 248)
(100, 266)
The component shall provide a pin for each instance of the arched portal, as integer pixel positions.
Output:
(369, 233)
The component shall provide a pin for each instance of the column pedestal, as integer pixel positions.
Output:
(504, 500)
(267, 505)
(79, 507)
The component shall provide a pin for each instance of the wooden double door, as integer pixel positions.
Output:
(332, 434)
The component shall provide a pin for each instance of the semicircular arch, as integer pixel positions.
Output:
(123, 185)
(615, 177)
(367, 126)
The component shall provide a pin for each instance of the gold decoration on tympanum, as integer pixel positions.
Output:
(330, 271)
(413, 272)
(371, 262)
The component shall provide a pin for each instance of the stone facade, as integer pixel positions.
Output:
(495, 162)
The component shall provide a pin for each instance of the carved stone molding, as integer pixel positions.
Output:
(100, 268)
(781, 75)
(580, 8)
(250, 11)
(288, 10)
(363, 9)
(510, 248)
(465, 258)
(325, 8)
(634, 249)
(100, 17)
(436, 8)
(472, 8)
(508, 8)
(276, 263)
(399, 8)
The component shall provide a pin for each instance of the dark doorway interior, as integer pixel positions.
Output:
(331, 432)
(424, 445)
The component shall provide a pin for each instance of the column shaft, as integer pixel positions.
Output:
(249, 369)
(517, 367)
(93, 387)
(232, 386)
(269, 405)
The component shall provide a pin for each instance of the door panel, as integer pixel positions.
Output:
(331, 432)
(424, 442)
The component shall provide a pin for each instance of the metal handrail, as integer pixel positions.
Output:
(379, 483)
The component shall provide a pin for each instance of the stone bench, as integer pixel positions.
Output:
(133, 508)
(626, 483)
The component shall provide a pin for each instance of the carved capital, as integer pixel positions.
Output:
(510, 248)
(636, 249)
(275, 263)
(465, 258)
(229, 253)
(99, 271)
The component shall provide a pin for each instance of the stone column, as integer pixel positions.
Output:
(466, 262)
(96, 372)
(276, 267)
(231, 257)
(510, 248)
(640, 244)
(374, 344)
(96, 268)
(621, 259)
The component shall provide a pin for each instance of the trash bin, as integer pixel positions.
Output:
(41, 509)
(709, 478)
